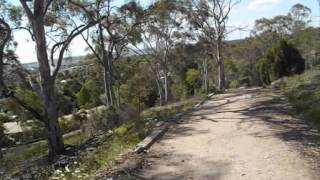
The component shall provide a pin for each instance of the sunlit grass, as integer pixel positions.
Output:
(303, 92)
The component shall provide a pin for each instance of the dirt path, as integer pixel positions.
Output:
(245, 134)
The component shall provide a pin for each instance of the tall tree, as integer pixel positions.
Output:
(301, 16)
(111, 36)
(210, 17)
(49, 19)
(159, 34)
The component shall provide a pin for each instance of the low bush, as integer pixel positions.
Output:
(102, 119)
(234, 84)
(179, 91)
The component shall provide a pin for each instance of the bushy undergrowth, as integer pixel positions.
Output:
(303, 92)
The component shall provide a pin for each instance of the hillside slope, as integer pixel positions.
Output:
(303, 92)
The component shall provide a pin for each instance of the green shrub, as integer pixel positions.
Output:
(68, 125)
(234, 84)
(303, 92)
(83, 97)
(102, 119)
(283, 59)
(193, 80)
(179, 91)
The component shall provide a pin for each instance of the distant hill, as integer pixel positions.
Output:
(66, 63)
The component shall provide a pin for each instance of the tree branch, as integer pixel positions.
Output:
(92, 49)
(27, 9)
(77, 31)
(47, 6)
(27, 29)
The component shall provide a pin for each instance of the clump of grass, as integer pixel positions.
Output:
(75, 139)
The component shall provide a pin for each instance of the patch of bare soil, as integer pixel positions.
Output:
(243, 134)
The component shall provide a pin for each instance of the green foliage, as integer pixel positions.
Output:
(286, 58)
(92, 86)
(83, 97)
(234, 84)
(264, 71)
(193, 80)
(101, 119)
(125, 128)
(301, 15)
(36, 131)
(179, 91)
(68, 125)
(283, 59)
(308, 43)
(139, 88)
(29, 96)
(303, 92)
(125, 92)
(4, 117)
(229, 65)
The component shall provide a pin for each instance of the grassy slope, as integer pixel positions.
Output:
(123, 139)
(303, 92)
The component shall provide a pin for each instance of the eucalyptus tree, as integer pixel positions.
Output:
(209, 18)
(49, 24)
(300, 15)
(109, 38)
(159, 34)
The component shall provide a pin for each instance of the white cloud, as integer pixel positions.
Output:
(260, 5)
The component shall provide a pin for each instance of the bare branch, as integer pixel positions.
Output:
(77, 31)
(92, 49)
(27, 29)
(49, 2)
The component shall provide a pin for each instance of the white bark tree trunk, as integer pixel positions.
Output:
(205, 75)
(220, 62)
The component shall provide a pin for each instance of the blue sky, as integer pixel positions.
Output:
(244, 15)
